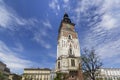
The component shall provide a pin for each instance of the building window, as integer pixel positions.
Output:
(72, 76)
(58, 65)
(72, 62)
(62, 43)
(70, 51)
(69, 37)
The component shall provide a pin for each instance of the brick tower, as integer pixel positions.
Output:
(68, 50)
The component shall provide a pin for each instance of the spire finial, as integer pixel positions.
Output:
(65, 10)
(66, 15)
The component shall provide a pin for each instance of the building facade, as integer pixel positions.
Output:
(36, 74)
(4, 71)
(14, 77)
(109, 74)
(68, 49)
(52, 75)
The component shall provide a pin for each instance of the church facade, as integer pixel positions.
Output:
(68, 50)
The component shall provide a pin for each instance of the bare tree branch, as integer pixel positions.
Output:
(90, 63)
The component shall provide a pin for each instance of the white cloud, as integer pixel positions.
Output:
(108, 22)
(110, 5)
(111, 17)
(103, 35)
(110, 52)
(39, 37)
(41, 41)
(47, 24)
(77, 11)
(66, 1)
(57, 5)
(14, 61)
(9, 18)
(18, 47)
(109, 49)
(54, 5)
(52, 55)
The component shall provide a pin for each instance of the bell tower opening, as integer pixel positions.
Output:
(69, 37)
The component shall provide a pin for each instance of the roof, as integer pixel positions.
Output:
(37, 69)
(7, 69)
(66, 19)
(2, 63)
(110, 68)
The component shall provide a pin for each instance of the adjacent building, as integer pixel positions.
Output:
(68, 50)
(52, 74)
(4, 71)
(109, 74)
(36, 74)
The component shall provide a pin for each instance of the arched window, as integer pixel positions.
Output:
(69, 37)
(62, 43)
(58, 65)
(70, 51)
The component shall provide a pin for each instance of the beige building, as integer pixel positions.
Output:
(109, 74)
(52, 74)
(36, 74)
(4, 70)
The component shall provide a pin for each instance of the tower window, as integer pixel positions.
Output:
(69, 37)
(58, 65)
(70, 51)
(72, 62)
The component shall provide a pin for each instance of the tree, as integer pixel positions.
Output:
(2, 77)
(90, 64)
(16, 77)
(61, 76)
(58, 76)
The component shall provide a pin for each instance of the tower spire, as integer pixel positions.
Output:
(65, 10)
(66, 18)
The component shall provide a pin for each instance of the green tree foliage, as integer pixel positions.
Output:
(61, 76)
(58, 76)
(2, 77)
(90, 64)
(17, 77)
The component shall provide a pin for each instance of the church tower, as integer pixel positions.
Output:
(68, 49)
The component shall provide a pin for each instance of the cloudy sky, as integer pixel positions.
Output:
(29, 28)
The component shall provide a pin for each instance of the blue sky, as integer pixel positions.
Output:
(29, 29)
